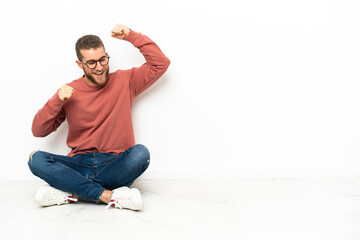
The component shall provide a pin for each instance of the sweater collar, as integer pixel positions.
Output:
(93, 88)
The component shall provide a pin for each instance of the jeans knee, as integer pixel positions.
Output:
(34, 160)
(141, 155)
(30, 156)
(142, 152)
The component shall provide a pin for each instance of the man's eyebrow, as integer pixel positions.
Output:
(96, 60)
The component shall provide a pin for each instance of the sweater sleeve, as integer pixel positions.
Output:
(156, 63)
(48, 118)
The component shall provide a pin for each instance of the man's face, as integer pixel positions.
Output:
(94, 76)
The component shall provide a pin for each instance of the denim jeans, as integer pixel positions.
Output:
(88, 175)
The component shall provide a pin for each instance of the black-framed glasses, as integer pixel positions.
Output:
(93, 63)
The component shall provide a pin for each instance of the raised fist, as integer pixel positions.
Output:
(65, 92)
(120, 31)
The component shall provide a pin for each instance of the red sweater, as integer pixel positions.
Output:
(99, 118)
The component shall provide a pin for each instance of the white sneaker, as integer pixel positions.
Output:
(48, 196)
(125, 197)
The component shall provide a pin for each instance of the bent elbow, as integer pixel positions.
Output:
(37, 133)
(164, 65)
(167, 62)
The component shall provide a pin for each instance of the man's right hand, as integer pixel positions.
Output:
(65, 92)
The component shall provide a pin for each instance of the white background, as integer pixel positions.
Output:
(255, 89)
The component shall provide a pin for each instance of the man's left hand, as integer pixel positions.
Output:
(120, 31)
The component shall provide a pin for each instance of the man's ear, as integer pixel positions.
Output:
(80, 65)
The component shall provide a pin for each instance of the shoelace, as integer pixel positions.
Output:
(113, 202)
(119, 200)
(70, 199)
(58, 198)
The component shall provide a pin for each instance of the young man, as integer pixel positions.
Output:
(104, 160)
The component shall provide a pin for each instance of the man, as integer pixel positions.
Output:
(104, 160)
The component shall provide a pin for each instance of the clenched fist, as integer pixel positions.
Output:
(120, 31)
(65, 92)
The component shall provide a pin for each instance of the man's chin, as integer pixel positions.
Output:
(96, 81)
(103, 79)
(100, 82)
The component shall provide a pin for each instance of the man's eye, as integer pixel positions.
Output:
(90, 62)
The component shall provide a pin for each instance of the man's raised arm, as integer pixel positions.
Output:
(156, 62)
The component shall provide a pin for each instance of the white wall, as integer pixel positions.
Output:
(256, 89)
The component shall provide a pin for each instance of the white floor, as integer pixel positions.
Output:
(194, 209)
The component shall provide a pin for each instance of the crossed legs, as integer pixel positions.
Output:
(91, 175)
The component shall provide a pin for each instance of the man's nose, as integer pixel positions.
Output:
(98, 66)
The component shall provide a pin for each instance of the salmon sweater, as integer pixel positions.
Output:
(99, 117)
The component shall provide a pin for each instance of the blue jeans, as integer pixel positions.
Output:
(88, 175)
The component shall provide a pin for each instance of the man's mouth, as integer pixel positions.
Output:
(99, 74)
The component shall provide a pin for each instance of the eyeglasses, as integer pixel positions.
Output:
(93, 63)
